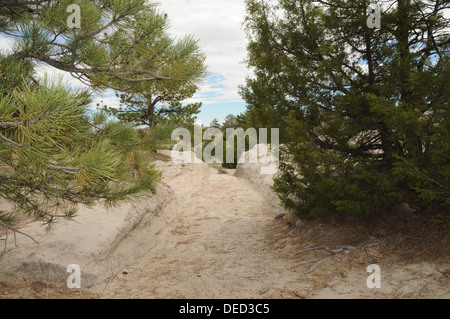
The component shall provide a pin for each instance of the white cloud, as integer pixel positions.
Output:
(44, 70)
(217, 26)
(6, 43)
(107, 99)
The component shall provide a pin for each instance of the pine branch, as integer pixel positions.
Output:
(8, 140)
(8, 124)
(23, 3)
(155, 78)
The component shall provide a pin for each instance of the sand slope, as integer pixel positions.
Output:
(101, 241)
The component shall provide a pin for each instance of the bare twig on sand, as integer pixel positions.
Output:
(319, 261)
(6, 227)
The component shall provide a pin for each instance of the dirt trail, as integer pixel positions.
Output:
(218, 247)
(225, 243)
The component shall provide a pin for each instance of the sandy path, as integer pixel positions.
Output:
(225, 244)
(218, 247)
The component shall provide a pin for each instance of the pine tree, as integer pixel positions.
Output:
(214, 123)
(364, 112)
(230, 121)
(54, 154)
(151, 103)
(144, 110)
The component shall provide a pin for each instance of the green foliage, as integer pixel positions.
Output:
(143, 111)
(52, 154)
(150, 103)
(227, 148)
(122, 44)
(231, 122)
(214, 123)
(158, 137)
(364, 114)
(14, 73)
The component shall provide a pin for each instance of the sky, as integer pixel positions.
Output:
(217, 25)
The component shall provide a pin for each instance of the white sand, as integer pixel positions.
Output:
(224, 245)
(101, 241)
(205, 235)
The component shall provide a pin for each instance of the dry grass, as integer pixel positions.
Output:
(411, 238)
(39, 290)
(388, 238)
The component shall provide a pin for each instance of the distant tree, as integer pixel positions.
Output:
(230, 121)
(364, 113)
(214, 123)
(141, 110)
(149, 103)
